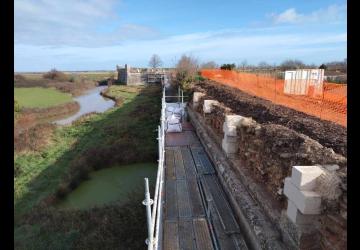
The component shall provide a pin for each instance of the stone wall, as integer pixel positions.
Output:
(267, 154)
(122, 75)
(271, 150)
(138, 76)
(129, 76)
(136, 79)
(333, 220)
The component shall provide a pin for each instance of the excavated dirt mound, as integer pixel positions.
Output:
(327, 133)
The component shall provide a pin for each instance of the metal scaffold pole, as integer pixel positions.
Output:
(148, 202)
(154, 215)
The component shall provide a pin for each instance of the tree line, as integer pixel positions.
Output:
(187, 67)
(289, 64)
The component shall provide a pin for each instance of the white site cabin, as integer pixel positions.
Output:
(304, 82)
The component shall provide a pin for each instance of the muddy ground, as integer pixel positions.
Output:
(327, 133)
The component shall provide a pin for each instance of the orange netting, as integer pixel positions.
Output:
(330, 105)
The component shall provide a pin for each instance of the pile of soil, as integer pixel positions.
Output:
(327, 133)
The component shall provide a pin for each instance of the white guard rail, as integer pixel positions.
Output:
(154, 215)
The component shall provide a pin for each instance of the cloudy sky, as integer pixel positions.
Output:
(98, 34)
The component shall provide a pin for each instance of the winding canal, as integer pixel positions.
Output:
(91, 101)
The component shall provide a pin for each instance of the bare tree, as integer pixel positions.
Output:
(243, 64)
(264, 65)
(186, 70)
(155, 61)
(312, 66)
(340, 66)
(291, 64)
(209, 65)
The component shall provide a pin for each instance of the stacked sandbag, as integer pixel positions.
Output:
(173, 115)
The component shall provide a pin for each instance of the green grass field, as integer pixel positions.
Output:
(38, 97)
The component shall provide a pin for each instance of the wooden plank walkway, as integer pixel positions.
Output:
(190, 180)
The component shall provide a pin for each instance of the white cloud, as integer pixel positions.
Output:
(72, 23)
(234, 46)
(288, 16)
(332, 13)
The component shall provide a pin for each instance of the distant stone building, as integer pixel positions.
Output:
(139, 76)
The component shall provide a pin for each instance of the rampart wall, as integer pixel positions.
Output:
(260, 157)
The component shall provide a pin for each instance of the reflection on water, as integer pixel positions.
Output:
(109, 184)
(91, 101)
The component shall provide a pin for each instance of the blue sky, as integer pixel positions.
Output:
(98, 34)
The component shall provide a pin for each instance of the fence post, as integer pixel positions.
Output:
(275, 85)
(322, 100)
(148, 202)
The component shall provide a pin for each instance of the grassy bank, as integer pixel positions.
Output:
(40, 99)
(37, 97)
(122, 135)
(33, 129)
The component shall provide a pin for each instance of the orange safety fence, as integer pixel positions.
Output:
(331, 105)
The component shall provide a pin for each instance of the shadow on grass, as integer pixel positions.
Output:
(121, 136)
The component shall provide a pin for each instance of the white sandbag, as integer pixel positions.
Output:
(174, 110)
(169, 111)
(173, 127)
(174, 118)
(178, 111)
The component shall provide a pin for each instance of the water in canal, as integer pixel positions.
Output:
(110, 184)
(91, 101)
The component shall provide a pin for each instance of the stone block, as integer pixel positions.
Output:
(304, 177)
(231, 139)
(229, 147)
(308, 202)
(207, 108)
(229, 130)
(296, 216)
(233, 120)
(197, 96)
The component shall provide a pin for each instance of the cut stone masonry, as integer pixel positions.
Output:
(196, 98)
(299, 190)
(208, 105)
(292, 167)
